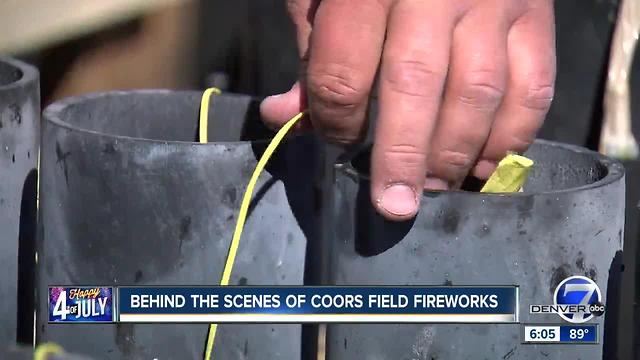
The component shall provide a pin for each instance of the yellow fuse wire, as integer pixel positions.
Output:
(246, 199)
(509, 176)
(204, 114)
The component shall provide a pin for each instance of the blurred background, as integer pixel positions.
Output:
(84, 46)
(248, 46)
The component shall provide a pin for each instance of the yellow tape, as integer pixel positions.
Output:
(509, 176)
(43, 351)
(246, 199)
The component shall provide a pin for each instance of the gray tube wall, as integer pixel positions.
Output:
(19, 139)
(569, 221)
(129, 198)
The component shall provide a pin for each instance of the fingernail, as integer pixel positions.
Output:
(399, 199)
(272, 97)
(432, 183)
(484, 169)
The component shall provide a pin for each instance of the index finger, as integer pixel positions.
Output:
(345, 49)
(413, 72)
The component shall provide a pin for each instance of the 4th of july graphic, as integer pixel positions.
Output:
(81, 304)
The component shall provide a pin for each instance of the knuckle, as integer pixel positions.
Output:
(537, 96)
(336, 86)
(405, 158)
(414, 78)
(514, 142)
(482, 90)
(455, 161)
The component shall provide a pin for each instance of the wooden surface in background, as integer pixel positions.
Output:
(157, 52)
(29, 25)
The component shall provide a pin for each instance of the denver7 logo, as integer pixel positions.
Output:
(582, 291)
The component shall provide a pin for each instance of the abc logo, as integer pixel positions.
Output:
(579, 290)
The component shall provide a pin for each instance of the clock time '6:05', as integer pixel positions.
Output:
(585, 334)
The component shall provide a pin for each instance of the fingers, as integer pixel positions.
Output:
(499, 84)
(413, 71)
(531, 56)
(474, 90)
(346, 45)
(339, 64)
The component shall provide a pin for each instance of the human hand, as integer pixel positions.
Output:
(461, 83)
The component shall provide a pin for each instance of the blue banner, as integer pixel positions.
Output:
(296, 304)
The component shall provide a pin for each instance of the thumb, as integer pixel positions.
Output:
(276, 110)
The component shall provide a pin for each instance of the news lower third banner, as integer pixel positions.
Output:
(285, 304)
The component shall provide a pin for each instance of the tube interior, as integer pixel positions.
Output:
(9, 74)
(165, 116)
